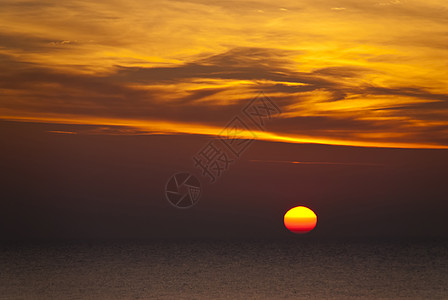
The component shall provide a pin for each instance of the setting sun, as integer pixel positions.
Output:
(300, 219)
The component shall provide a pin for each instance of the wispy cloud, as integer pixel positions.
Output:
(317, 163)
(338, 75)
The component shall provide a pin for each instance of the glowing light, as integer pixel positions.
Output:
(300, 219)
(169, 127)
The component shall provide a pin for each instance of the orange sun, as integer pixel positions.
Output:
(300, 219)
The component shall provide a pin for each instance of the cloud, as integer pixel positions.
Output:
(62, 132)
(197, 63)
(142, 94)
(329, 163)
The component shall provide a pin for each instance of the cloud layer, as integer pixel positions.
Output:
(364, 74)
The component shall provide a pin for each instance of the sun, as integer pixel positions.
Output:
(300, 219)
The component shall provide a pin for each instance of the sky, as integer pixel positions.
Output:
(362, 87)
(344, 72)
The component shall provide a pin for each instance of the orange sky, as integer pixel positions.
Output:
(364, 73)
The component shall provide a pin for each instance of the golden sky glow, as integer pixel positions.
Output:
(362, 73)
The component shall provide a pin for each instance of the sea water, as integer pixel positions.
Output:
(217, 269)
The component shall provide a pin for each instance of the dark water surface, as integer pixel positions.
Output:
(297, 269)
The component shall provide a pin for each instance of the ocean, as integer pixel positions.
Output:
(218, 269)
